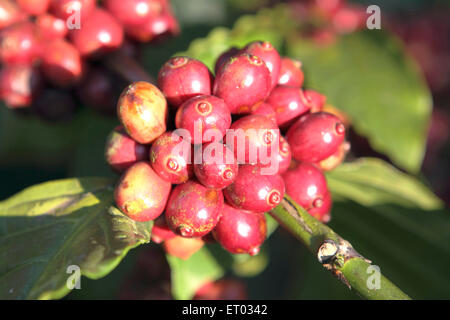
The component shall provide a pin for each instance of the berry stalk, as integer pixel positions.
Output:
(336, 254)
(128, 68)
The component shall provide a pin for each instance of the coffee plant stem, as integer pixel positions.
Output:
(336, 254)
(127, 67)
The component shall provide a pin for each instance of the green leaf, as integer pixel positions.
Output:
(368, 75)
(49, 227)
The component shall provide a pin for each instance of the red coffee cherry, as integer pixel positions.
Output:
(219, 167)
(316, 100)
(288, 103)
(133, 12)
(315, 136)
(34, 7)
(254, 139)
(50, 27)
(182, 78)
(19, 44)
(19, 85)
(122, 151)
(55, 105)
(266, 110)
(224, 57)
(323, 212)
(193, 210)
(64, 9)
(171, 158)
(255, 191)
(241, 231)
(155, 29)
(161, 231)
(142, 109)
(11, 13)
(335, 159)
(181, 247)
(267, 52)
(306, 185)
(141, 194)
(61, 64)
(243, 82)
(202, 113)
(291, 73)
(100, 34)
(284, 156)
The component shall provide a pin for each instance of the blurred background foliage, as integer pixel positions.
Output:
(378, 78)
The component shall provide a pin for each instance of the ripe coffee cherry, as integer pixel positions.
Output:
(182, 78)
(181, 247)
(291, 73)
(338, 113)
(64, 9)
(266, 51)
(284, 156)
(61, 63)
(322, 213)
(141, 194)
(34, 7)
(335, 159)
(10, 13)
(306, 185)
(122, 152)
(170, 157)
(155, 29)
(161, 231)
(266, 110)
(133, 12)
(100, 34)
(202, 113)
(19, 44)
(50, 27)
(224, 57)
(254, 139)
(193, 210)
(142, 109)
(218, 168)
(316, 100)
(315, 136)
(243, 82)
(255, 191)
(288, 103)
(55, 105)
(18, 85)
(349, 19)
(241, 231)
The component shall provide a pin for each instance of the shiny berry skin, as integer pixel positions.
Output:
(323, 212)
(306, 185)
(34, 7)
(181, 247)
(202, 113)
(121, 152)
(55, 105)
(140, 193)
(243, 82)
(19, 44)
(182, 78)
(142, 109)
(64, 9)
(193, 210)
(266, 110)
(50, 27)
(266, 51)
(224, 57)
(284, 156)
(170, 157)
(316, 100)
(61, 63)
(161, 231)
(260, 137)
(155, 29)
(291, 73)
(335, 159)
(19, 84)
(315, 136)
(338, 113)
(10, 13)
(240, 231)
(288, 103)
(100, 34)
(133, 12)
(252, 190)
(219, 167)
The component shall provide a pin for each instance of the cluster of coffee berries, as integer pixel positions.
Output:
(50, 49)
(204, 156)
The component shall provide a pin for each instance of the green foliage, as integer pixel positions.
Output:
(49, 227)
